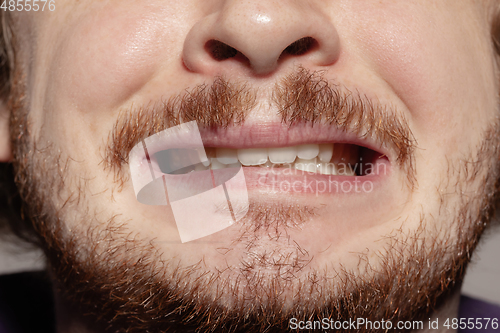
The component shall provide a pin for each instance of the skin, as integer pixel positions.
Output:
(430, 62)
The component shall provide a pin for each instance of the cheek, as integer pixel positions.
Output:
(108, 57)
(441, 70)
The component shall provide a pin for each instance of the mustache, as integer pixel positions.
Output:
(303, 97)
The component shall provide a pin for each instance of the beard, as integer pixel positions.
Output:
(120, 281)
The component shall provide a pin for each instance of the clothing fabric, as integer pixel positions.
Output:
(480, 312)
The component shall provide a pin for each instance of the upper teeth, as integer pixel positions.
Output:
(309, 157)
(253, 156)
(226, 155)
(258, 156)
(282, 155)
(325, 153)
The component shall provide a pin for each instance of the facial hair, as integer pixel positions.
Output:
(120, 283)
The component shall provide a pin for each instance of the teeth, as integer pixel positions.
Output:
(326, 159)
(217, 165)
(206, 163)
(307, 152)
(268, 164)
(210, 154)
(325, 152)
(201, 167)
(227, 156)
(254, 156)
(234, 165)
(306, 165)
(282, 155)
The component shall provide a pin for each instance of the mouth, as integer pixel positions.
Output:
(273, 154)
(299, 165)
(320, 150)
(335, 159)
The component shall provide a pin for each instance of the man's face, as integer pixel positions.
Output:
(406, 86)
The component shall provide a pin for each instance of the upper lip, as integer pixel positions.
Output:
(275, 134)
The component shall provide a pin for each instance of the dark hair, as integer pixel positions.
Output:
(11, 205)
(6, 55)
(12, 220)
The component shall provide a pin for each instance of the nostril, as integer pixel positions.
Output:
(219, 50)
(301, 46)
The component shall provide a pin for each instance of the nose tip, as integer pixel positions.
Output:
(260, 38)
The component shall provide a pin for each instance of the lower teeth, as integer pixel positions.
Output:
(341, 169)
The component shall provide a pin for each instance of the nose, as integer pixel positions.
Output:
(261, 36)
